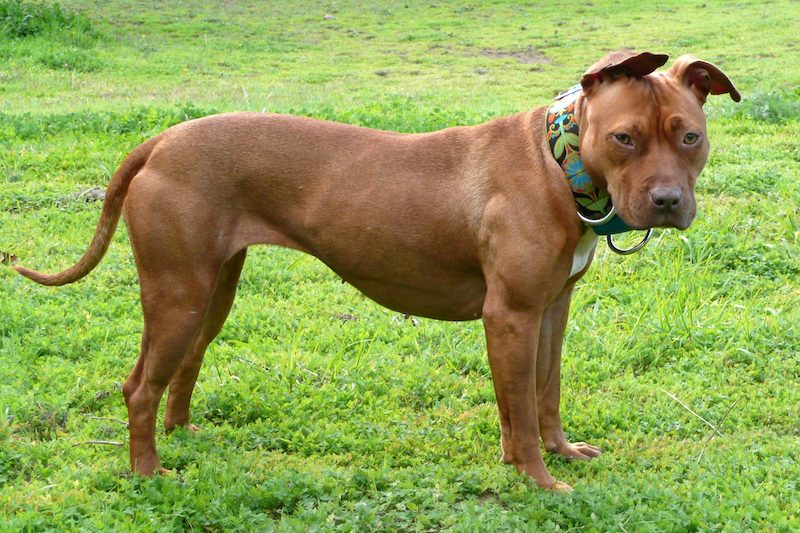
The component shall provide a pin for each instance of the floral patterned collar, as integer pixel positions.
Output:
(594, 205)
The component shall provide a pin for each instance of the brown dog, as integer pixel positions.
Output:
(458, 224)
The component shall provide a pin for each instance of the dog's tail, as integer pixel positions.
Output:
(112, 207)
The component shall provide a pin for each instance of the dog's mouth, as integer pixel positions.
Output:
(662, 210)
(678, 221)
(679, 224)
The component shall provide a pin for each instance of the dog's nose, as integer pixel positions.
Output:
(666, 199)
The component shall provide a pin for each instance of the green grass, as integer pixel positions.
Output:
(316, 421)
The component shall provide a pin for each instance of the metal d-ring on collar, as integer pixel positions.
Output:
(592, 222)
(633, 249)
(564, 140)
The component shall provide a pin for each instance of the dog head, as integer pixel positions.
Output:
(643, 134)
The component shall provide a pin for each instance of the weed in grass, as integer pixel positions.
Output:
(22, 18)
(74, 59)
(773, 108)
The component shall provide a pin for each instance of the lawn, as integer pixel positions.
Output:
(321, 410)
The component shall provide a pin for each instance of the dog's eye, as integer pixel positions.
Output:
(623, 138)
(690, 138)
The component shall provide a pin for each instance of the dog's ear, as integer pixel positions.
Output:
(621, 62)
(702, 78)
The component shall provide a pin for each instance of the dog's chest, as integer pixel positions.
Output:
(583, 252)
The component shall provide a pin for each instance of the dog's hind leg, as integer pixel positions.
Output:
(180, 249)
(182, 384)
(174, 309)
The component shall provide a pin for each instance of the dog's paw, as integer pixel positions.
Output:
(576, 450)
(191, 428)
(554, 485)
(560, 486)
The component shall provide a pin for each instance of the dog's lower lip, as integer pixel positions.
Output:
(639, 226)
(664, 221)
(670, 224)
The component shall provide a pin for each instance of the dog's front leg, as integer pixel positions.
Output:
(548, 381)
(512, 336)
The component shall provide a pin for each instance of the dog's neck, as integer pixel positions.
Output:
(563, 137)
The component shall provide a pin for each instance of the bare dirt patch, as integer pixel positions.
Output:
(528, 56)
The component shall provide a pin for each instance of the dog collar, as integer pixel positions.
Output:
(594, 205)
